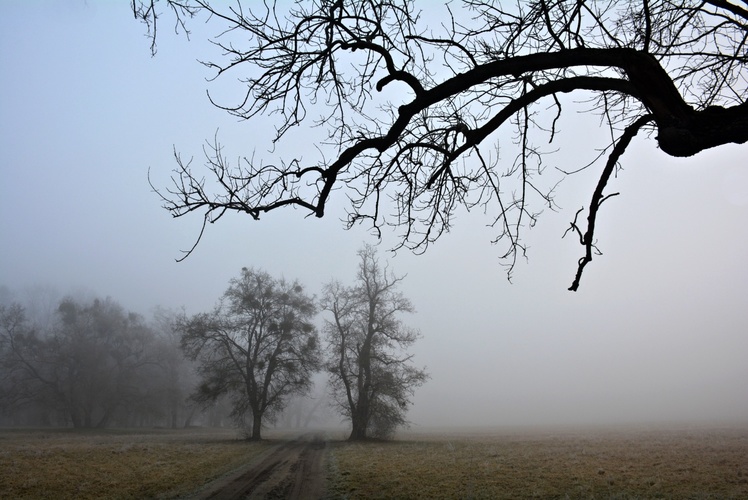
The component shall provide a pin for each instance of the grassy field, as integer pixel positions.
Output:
(682, 462)
(685, 462)
(63, 464)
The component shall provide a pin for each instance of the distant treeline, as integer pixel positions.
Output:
(252, 360)
(93, 364)
(90, 363)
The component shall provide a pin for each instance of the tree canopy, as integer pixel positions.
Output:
(258, 346)
(412, 109)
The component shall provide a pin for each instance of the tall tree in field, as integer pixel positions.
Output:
(258, 345)
(370, 371)
(413, 106)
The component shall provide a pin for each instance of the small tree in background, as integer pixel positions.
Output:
(258, 346)
(370, 372)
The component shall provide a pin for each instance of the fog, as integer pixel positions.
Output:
(658, 331)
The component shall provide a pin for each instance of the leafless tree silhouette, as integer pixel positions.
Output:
(673, 70)
(371, 374)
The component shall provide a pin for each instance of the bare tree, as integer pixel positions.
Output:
(370, 372)
(21, 384)
(412, 111)
(101, 354)
(258, 346)
(176, 377)
(91, 364)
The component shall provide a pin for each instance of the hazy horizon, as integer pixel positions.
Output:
(658, 331)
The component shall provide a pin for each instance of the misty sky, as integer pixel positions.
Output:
(657, 332)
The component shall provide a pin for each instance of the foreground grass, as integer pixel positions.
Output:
(681, 463)
(678, 463)
(64, 464)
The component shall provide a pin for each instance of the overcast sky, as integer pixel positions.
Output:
(657, 332)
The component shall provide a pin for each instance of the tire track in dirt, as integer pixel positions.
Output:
(292, 470)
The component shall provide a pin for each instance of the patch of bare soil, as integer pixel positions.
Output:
(291, 470)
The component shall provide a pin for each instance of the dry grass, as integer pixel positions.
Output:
(63, 464)
(633, 463)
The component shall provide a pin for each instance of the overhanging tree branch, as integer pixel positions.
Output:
(456, 87)
(588, 238)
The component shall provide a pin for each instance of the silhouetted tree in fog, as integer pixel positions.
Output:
(370, 371)
(101, 350)
(258, 345)
(21, 384)
(177, 374)
(93, 365)
(412, 110)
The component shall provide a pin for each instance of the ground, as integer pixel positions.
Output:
(291, 470)
(707, 461)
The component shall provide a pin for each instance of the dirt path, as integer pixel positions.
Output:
(293, 470)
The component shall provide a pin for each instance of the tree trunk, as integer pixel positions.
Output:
(104, 421)
(256, 427)
(188, 420)
(76, 419)
(358, 431)
(173, 417)
(360, 420)
(709, 128)
(360, 416)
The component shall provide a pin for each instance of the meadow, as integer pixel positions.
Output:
(96, 464)
(634, 462)
(659, 462)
